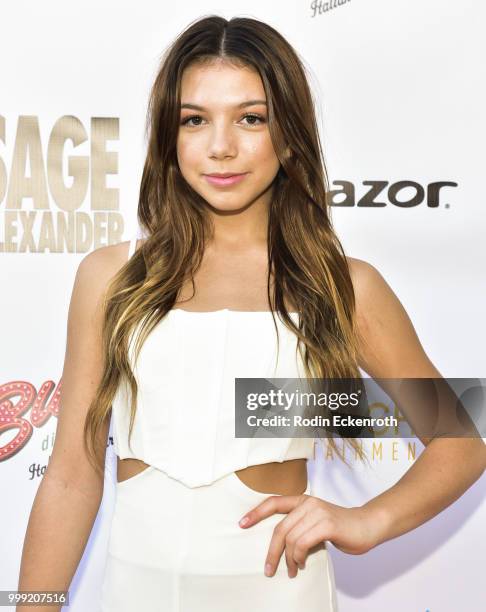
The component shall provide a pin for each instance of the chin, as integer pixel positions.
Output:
(227, 206)
(225, 201)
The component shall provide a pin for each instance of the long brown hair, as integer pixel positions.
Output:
(304, 253)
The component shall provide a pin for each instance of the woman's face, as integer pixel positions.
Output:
(226, 135)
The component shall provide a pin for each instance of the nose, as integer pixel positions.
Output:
(222, 141)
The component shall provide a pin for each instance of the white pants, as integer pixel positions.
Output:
(173, 548)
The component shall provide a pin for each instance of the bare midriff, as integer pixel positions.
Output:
(285, 478)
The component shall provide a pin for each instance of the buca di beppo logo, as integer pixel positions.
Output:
(43, 405)
(56, 196)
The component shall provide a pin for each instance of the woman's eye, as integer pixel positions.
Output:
(187, 119)
(259, 119)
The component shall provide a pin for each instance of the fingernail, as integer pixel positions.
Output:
(244, 521)
(268, 569)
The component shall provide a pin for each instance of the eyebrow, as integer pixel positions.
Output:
(241, 105)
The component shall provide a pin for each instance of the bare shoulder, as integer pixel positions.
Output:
(370, 287)
(103, 263)
(83, 368)
(390, 346)
(364, 276)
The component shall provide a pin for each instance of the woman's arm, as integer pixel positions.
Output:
(69, 496)
(391, 349)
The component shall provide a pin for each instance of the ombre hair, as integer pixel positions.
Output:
(305, 256)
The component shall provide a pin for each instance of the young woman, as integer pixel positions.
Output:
(238, 265)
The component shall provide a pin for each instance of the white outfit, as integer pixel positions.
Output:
(175, 543)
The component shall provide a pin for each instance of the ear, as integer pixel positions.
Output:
(288, 152)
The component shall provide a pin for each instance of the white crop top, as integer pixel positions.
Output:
(185, 419)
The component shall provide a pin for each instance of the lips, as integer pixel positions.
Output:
(224, 180)
(225, 174)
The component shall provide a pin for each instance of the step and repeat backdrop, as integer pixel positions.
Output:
(399, 90)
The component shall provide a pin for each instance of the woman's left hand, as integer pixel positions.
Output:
(309, 521)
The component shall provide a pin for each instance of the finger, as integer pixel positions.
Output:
(278, 540)
(316, 533)
(295, 522)
(300, 527)
(271, 505)
(289, 535)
